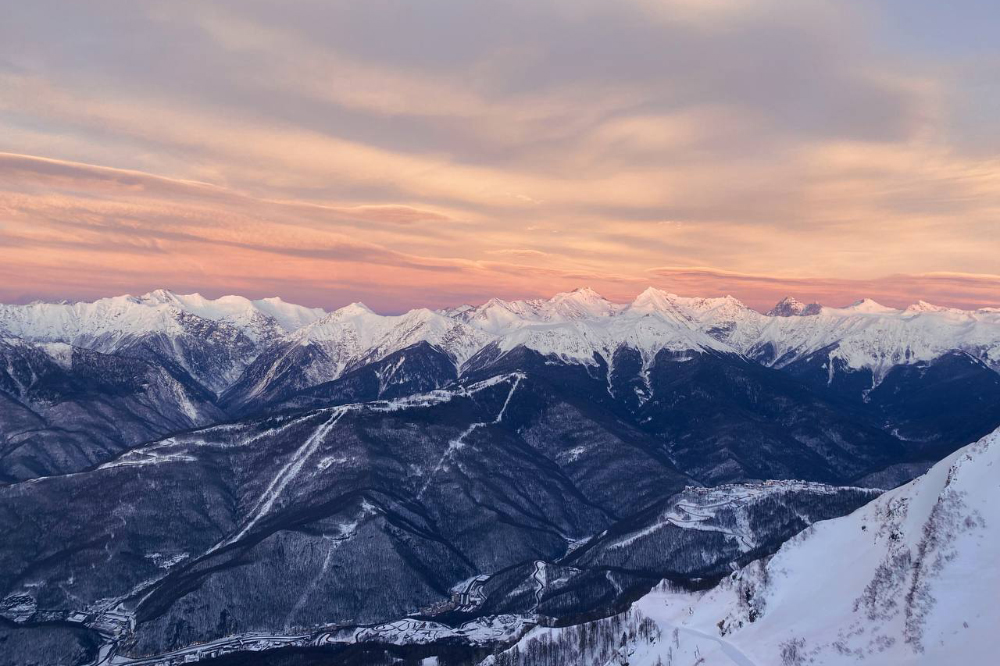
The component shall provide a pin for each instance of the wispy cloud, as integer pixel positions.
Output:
(404, 149)
(966, 290)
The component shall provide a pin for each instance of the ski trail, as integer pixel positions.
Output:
(517, 382)
(538, 575)
(457, 443)
(618, 588)
(348, 530)
(263, 504)
(453, 445)
(312, 585)
(304, 597)
(283, 477)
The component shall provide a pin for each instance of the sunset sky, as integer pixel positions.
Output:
(408, 153)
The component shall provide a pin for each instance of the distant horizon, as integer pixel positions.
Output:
(407, 153)
(332, 306)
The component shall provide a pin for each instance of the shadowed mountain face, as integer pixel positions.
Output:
(367, 513)
(730, 394)
(63, 408)
(410, 497)
(227, 479)
(415, 369)
(930, 405)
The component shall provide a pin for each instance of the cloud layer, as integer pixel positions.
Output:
(430, 153)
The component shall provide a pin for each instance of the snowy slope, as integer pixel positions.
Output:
(910, 578)
(574, 326)
(98, 325)
(101, 323)
(260, 319)
(355, 333)
(868, 335)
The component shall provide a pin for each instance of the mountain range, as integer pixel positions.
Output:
(187, 478)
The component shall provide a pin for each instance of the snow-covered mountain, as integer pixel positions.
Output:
(572, 326)
(468, 473)
(865, 336)
(347, 339)
(902, 579)
(65, 408)
(104, 322)
(212, 341)
(355, 333)
(909, 578)
(870, 336)
(260, 319)
(791, 307)
(250, 354)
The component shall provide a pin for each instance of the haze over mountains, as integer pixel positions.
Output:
(351, 485)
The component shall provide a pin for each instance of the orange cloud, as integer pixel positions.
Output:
(962, 290)
(403, 159)
(76, 230)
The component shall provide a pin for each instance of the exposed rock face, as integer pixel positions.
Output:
(789, 307)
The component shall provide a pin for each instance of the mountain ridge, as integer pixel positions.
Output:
(569, 324)
(873, 366)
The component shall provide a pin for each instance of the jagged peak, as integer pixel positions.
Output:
(495, 303)
(195, 302)
(458, 309)
(790, 306)
(653, 299)
(423, 314)
(790, 301)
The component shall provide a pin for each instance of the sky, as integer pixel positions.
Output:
(440, 152)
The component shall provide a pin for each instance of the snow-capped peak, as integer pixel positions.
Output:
(164, 296)
(356, 309)
(869, 306)
(261, 319)
(573, 325)
(583, 302)
(289, 316)
(653, 299)
(355, 332)
(792, 307)
(924, 306)
(686, 308)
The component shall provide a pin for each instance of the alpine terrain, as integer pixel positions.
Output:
(672, 480)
